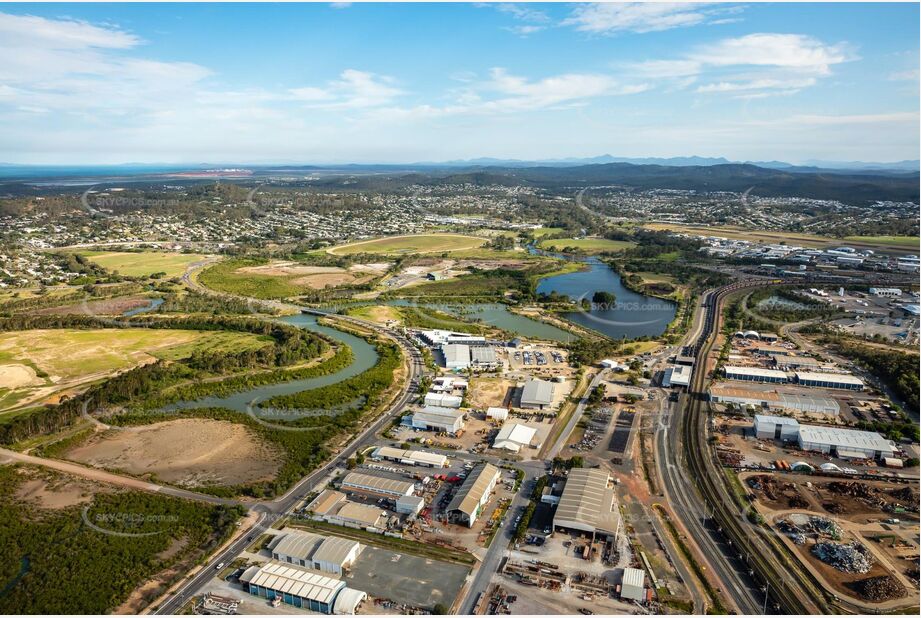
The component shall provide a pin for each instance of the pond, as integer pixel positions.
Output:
(631, 315)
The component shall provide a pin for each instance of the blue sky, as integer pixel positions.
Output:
(329, 83)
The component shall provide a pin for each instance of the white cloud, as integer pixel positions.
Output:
(911, 75)
(523, 12)
(525, 30)
(611, 18)
(77, 67)
(750, 66)
(757, 84)
(792, 51)
(657, 69)
(17, 31)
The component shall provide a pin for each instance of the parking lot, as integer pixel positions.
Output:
(404, 578)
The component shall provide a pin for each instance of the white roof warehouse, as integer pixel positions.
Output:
(836, 441)
(587, 503)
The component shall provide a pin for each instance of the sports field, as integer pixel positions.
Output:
(417, 243)
(145, 263)
(586, 245)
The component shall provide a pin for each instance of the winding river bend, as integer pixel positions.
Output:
(364, 356)
(632, 315)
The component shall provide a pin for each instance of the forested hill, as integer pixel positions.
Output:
(851, 188)
(848, 188)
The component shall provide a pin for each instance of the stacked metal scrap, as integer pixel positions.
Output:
(848, 557)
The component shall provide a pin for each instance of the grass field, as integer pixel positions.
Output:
(38, 363)
(907, 242)
(227, 277)
(546, 231)
(656, 277)
(419, 243)
(902, 243)
(143, 264)
(586, 245)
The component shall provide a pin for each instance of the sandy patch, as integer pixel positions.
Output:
(375, 268)
(59, 495)
(16, 376)
(185, 452)
(285, 269)
(490, 392)
(327, 280)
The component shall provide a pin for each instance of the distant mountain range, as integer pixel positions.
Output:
(810, 166)
(861, 183)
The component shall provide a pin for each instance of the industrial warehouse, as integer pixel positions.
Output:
(587, 503)
(328, 554)
(773, 400)
(301, 588)
(841, 381)
(376, 485)
(410, 458)
(435, 418)
(537, 394)
(473, 494)
(677, 375)
(334, 507)
(515, 436)
(835, 441)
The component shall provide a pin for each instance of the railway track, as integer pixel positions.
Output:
(784, 587)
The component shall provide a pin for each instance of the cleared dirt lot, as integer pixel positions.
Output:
(185, 452)
(57, 492)
(490, 392)
(317, 277)
(16, 375)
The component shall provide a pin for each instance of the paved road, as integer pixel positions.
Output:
(683, 499)
(499, 546)
(284, 505)
(574, 418)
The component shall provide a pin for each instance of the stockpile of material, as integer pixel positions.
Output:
(879, 589)
(798, 525)
(848, 557)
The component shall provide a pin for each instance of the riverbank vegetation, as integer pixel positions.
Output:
(305, 439)
(285, 353)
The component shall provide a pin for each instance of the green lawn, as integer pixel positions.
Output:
(546, 231)
(226, 277)
(143, 264)
(586, 245)
(907, 242)
(418, 243)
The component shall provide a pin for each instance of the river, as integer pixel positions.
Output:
(364, 356)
